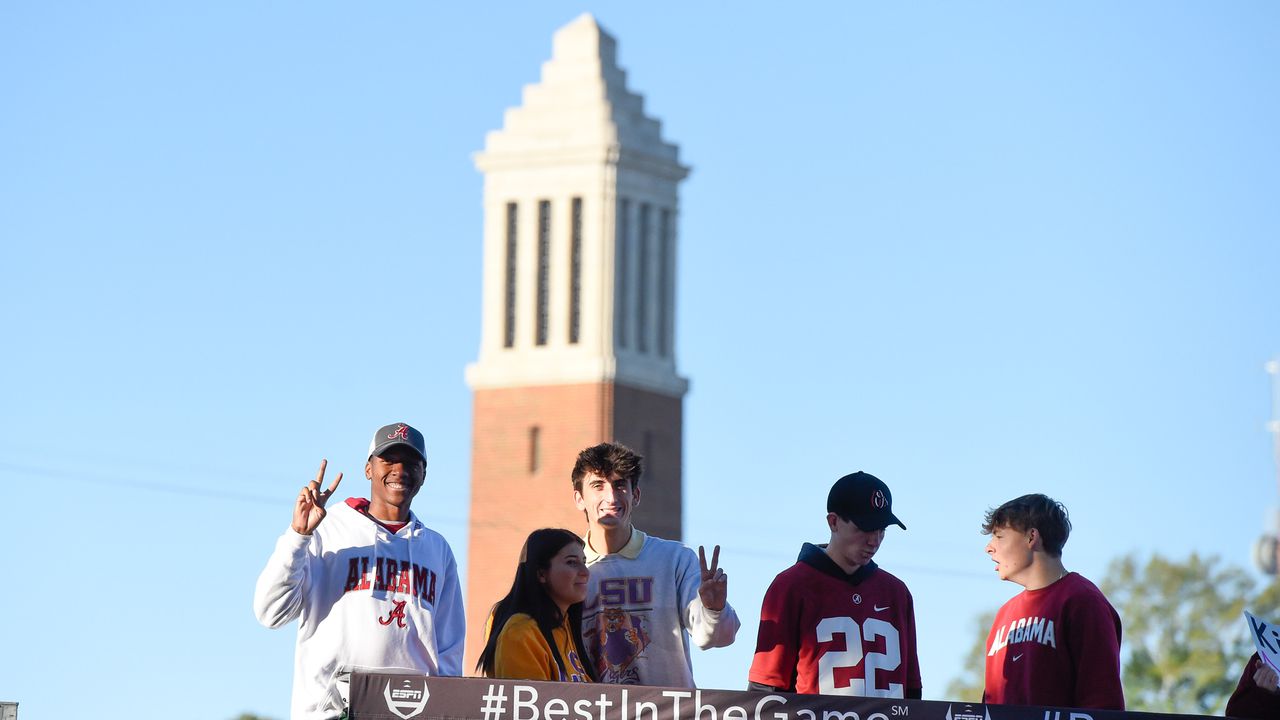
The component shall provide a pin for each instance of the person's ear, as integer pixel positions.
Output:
(577, 500)
(368, 469)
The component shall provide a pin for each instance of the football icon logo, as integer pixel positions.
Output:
(409, 698)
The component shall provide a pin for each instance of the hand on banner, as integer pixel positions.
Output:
(714, 590)
(309, 510)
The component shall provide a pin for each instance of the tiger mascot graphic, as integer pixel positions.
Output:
(620, 638)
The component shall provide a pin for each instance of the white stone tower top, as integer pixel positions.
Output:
(581, 102)
(580, 206)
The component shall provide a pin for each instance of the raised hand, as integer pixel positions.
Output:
(309, 510)
(1266, 678)
(714, 590)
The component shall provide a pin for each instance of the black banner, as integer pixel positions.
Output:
(416, 697)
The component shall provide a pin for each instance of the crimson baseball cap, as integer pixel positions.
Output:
(864, 499)
(397, 434)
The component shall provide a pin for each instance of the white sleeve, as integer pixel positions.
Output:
(707, 628)
(450, 622)
(282, 586)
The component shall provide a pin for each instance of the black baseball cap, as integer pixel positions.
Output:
(397, 434)
(864, 499)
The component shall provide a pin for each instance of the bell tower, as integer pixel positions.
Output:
(578, 312)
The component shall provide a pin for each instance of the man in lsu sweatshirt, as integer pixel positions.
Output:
(647, 596)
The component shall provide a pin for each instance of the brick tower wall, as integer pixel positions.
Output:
(510, 497)
(652, 425)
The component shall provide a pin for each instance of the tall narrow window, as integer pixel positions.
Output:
(648, 450)
(642, 302)
(575, 272)
(535, 449)
(544, 268)
(666, 293)
(509, 299)
(621, 306)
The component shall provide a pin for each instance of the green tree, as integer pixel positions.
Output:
(1185, 639)
(967, 687)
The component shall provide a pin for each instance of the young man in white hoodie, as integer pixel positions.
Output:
(371, 586)
(647, 597)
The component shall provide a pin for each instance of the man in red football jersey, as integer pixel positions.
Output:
(1058, 641)
(835, 623)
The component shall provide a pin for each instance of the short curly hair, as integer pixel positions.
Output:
(1048, 516)
(607, 460)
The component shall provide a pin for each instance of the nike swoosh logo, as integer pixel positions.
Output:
(1017, 657)
(880, 609)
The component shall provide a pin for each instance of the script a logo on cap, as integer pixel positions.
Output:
(409, 697)
(878, 499)
(401, 432)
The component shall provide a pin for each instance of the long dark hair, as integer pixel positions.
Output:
(529, 596)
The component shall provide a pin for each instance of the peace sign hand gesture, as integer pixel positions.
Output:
(309, 510)
(714, 590)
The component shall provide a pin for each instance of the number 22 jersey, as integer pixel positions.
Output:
(823, 631)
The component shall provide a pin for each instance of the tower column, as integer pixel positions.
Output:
(578, 309)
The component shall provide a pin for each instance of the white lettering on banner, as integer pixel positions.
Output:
(1057, 715)
(675, 696)
(642, 706)
(709, 710)
(525, 706)
(604, 704)
(521, 704)
(771, 699)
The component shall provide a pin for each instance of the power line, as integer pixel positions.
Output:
(431, 519)
(186, 490)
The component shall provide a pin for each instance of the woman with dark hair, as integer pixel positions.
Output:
(535, 632)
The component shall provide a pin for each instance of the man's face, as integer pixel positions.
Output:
(851, 546)
(1011, 550)
(607, 502)
(395, 476)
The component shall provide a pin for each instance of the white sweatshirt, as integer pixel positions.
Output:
(643, 606)
(368, 599)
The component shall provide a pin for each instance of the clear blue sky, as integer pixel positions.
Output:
(977, 249)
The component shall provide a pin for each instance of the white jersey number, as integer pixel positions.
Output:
(864, 686)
